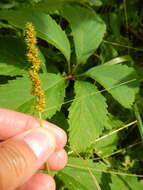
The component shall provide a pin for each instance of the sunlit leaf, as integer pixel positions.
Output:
(125, 182)
(21, 99)
(88, 30)
(45, 26)
(82, 174)
(119, 80)
(87, 116)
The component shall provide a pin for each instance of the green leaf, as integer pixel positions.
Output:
(137, 154)
(119, 80)
(125, 183)
(139, 119)
(88, 30)
(49, 5)
(86, 175)
(81, 174)
(120, 59)
(45, 26)
(96, 3)
(12, 58)
(87, 116)
(22, 100)
(108, 144)
(113, 122)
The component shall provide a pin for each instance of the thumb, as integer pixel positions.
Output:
(21, 157)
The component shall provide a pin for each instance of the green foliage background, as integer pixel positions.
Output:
(92, 54)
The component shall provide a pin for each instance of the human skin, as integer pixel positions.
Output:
(21, 157)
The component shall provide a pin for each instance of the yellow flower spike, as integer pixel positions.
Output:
(33, 58)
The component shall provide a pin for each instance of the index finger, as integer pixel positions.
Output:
(13, 123)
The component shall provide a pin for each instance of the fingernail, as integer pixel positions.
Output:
(41, 142)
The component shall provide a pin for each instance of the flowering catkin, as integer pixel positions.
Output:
(33, 58)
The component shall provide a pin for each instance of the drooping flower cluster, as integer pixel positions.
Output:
(33, 57)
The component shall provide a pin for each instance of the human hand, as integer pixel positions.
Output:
(25, 147)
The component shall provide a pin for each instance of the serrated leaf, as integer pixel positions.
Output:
(12, 58)
(45, 26)
(87, 116)
(113, 122)
(81, 174)
(22, 100)
(106, 146)
(125, 183)
(88, 30)
(119, 80)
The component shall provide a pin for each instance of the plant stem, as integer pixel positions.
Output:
(69, 67)
(138, 117)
